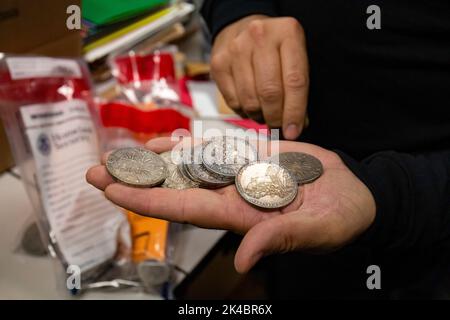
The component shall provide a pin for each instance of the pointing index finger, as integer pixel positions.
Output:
(294, 63)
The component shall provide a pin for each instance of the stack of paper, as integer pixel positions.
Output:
(127, 29)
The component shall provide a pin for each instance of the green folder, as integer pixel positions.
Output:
(102, 12)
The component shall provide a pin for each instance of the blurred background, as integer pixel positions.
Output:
(144, 72)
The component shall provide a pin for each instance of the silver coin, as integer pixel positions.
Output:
(32, 242)
(226, 155)
(304, 168)
(175, 178)
(153, 273)
(137, 167)
(199, 173)
(187, 174)
(266, 185)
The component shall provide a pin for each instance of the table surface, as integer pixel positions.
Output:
(23, 276)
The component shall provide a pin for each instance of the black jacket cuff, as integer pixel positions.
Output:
(220, 13)
(379, 234)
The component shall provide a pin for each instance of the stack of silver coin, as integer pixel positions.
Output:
(216, 163)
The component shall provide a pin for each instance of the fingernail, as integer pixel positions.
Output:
(291, 132)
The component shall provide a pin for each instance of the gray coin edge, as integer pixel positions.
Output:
(206, 184)
(149, 264)
(214, 182)
(178, 167)
(211, 167)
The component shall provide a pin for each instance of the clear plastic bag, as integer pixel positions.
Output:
(147, 80)
(138, 113)
(150, 103)
(48, 112)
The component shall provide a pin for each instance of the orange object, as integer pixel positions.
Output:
(149, 237)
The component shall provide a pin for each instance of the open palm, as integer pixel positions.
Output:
(325, 215)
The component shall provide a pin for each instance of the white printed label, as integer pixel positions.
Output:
(64, 145)
(39, 67)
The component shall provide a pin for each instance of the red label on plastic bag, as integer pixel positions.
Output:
(149, 67)
(46, 89)
(122, 115)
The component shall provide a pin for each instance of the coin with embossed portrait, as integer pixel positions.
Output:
(266, 185)
(137, 167)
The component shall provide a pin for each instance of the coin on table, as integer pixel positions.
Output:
(305, 168)
(198, 172)
(153, 273)
(137, 167)
(226, 155)
(32, 242)
(175, 178)
(266, 185)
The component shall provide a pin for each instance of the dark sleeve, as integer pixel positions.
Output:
(220, 13)
(412, 195)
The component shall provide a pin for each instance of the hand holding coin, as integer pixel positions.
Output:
(326, 213)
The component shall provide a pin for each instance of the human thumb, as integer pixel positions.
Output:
(264, 238)
(288, 232)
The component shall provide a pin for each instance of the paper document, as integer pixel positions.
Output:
(63, 140)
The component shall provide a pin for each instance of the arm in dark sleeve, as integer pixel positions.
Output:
(412, 196)
(220, 13)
